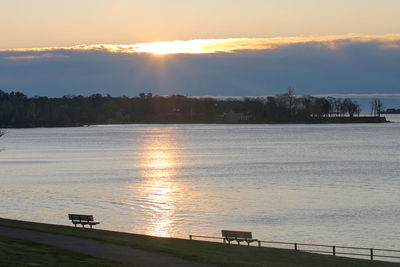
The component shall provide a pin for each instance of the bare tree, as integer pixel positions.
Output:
(338, 107)
(291, 99)
(376, 107)
(332, 103)
(351, 107)
(358, 110)
(379, 107)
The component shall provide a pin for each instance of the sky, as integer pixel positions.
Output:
(219, 47)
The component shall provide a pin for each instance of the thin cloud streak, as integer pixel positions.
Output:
(376, 95)
(33, 57)
(210, 46)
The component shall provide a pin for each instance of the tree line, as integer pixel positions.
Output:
(18, 110)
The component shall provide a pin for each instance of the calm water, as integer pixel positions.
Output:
(333, 184)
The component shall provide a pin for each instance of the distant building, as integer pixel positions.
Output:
(235, 117)
(392, 111)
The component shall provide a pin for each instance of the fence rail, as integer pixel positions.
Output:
(318, 248)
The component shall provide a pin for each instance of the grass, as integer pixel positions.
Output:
(206, 252)
(15, 252)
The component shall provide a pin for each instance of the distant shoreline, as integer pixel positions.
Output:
(19, 111)
(327, 120)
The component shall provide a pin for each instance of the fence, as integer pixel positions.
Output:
(353, 252)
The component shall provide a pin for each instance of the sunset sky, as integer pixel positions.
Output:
(219, 47)
(38, 23)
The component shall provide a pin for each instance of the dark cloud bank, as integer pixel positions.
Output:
(357, 68)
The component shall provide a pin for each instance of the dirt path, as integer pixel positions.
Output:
(123, 254)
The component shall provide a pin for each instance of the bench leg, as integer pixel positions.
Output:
(90, 226)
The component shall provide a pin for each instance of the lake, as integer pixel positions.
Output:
(333, 184)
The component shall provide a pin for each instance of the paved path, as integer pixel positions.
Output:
(123, 254)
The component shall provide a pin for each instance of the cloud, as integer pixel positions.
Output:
(209, 46)
(34, 56)
(350, 64)
(368, 96)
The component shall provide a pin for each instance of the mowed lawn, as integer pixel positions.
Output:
(206, 252)
(15, 252)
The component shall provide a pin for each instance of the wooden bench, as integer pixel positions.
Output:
(82, 219)
(237, 236)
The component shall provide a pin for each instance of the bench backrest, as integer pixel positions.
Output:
(236, 234)
(80, 217)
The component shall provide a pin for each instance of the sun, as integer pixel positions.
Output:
(174, 47)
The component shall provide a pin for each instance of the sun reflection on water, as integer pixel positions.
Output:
(159, 167)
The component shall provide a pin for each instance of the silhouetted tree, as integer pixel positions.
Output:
(17, 110)
(351, 107)
(376, 107)
(290, 100)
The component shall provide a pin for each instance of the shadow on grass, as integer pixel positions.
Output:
(15, 252)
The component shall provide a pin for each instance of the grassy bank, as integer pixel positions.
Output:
(14, 252)
(207, 252)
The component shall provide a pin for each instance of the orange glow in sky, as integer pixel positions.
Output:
(25, 23)
(209, 46)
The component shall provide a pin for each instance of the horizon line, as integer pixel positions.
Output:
(336, 95)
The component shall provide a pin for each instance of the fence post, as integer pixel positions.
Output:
(259, 243)
(372, 254)
(295, 246)
(190, 237)
(334, 250)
